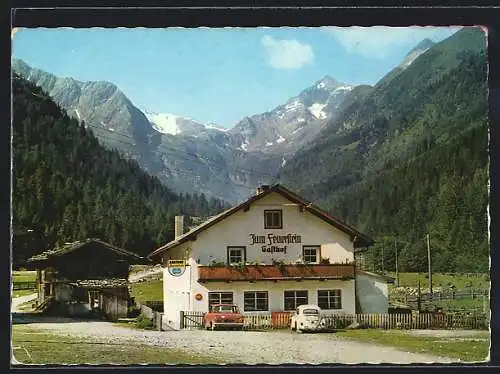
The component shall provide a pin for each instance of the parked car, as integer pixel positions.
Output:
(223, 316)
(307, 318)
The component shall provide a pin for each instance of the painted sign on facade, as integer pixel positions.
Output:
(270, 240)
(176, 267)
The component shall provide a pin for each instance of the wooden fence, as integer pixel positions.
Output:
(191, 320)
(282, 320)
(409, 321)
(472, 294)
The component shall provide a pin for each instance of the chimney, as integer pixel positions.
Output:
(262, 188)
(179, 226)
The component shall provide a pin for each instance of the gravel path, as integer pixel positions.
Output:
(18, 301)
(245, 347)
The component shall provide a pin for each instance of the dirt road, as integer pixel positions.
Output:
(16, 302)
(277, 347)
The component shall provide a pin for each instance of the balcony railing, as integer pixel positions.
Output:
(275, 272)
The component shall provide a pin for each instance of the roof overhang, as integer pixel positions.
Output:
(51, 255)
(359, 240)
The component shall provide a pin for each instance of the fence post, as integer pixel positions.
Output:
(181, 319)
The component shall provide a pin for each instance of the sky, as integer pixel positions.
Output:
(219, 75)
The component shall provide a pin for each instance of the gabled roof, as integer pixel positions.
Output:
(359, 239)
(70, 247)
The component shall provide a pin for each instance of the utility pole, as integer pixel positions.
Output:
(429, 264)
(397, 272)
(419, 295)
(383, 271)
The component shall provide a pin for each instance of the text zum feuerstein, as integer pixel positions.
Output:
(271, 240)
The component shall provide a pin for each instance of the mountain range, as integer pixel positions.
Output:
(190, 156)
(409, 157)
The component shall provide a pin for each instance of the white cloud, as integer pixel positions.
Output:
(377, 41)
(287, 54)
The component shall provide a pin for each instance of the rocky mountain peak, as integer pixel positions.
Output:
(420, 48)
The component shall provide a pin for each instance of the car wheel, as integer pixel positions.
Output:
(293, 327)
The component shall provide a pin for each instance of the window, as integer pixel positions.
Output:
(220, 298)
(273, 219)
(255, 301)
(310, 254)
(329, 299)
(295, 298)
(236, 255)
(310, 312)
(225, 309)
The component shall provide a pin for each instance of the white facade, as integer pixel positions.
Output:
(372, 292)
(245, 228)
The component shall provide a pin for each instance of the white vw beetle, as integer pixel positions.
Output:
(307, 318)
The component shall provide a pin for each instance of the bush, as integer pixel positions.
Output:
(144, 322)
(133, 311)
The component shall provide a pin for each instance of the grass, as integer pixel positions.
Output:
(471, 350)
(463, 304)
(19, 293)
(460, 281)
(46, 348)
(148, 290)
(23, 276)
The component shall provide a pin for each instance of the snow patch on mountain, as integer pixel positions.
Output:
(165, 123)
(296, 130)
(268, 144)
(344, 88)
(78, 114)
(317, 110)
(280, 139)
(243, 146)
(212, 126)
(283, 162)
(296, 104)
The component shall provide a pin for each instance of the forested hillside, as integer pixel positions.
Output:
(410, 157)
(68, 187)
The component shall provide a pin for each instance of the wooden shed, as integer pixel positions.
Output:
(85, 278)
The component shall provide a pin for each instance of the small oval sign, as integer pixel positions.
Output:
(176, 271)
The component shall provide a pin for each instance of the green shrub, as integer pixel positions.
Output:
(144, 322)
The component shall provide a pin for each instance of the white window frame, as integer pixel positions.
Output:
(333, 299)
(242, 255)
(306, 257)
(219, 300)
(254, 299)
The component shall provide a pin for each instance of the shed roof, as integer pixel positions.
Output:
(359, 239)
(375, 275)
(70, 247)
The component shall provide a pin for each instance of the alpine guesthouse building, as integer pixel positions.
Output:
(273, 252)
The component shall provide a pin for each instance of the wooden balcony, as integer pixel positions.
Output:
(253, 273)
